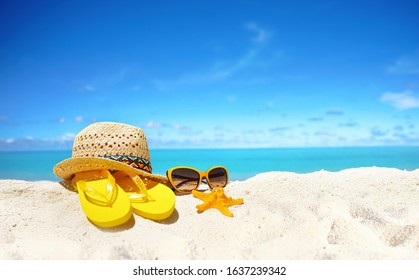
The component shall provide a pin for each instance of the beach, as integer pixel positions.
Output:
(366, 213)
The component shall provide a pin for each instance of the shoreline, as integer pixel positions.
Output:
(241, 163)
(368, 213)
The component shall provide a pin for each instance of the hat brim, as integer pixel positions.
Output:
(67, 168)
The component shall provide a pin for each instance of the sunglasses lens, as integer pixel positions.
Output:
(184, 179)
(218, 177)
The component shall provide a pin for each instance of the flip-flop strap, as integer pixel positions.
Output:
(96, 197)
(142, 194)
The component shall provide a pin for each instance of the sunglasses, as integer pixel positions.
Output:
(185, 179)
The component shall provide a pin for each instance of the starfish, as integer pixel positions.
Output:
(216, 199)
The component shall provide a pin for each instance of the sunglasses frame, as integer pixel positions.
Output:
(202, 175)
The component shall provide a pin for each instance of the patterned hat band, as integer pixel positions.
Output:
(136, 162)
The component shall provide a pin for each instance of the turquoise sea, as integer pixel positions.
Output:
(241, 163)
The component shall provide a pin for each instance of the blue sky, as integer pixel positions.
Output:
(199, 74)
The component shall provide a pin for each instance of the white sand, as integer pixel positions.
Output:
(364, 213)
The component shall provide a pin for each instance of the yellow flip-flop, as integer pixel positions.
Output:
(104, 203)
(153, 201)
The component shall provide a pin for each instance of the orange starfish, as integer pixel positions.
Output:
(216, 199)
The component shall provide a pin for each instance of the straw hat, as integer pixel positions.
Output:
(112, 146)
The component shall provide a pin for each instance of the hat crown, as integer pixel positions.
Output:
(105, 139)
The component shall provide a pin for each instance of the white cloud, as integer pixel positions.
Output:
(270, 105)
(231, 98)
(104, 81)
(218, 72)
(334, 112)
(68, 137)
(153, 124)
(78, 119)
(30, 143)
(402, 101)
(406, 65)
(315, 119)
(89, 88)
(180, 127)
(222, 70)
(261, 35)
(244, 62)
(349, 124)
(378, 132)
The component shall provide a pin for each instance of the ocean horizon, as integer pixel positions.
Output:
(241, 163)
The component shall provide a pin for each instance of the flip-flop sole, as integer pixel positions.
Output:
(159, 209)
(119, 212)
